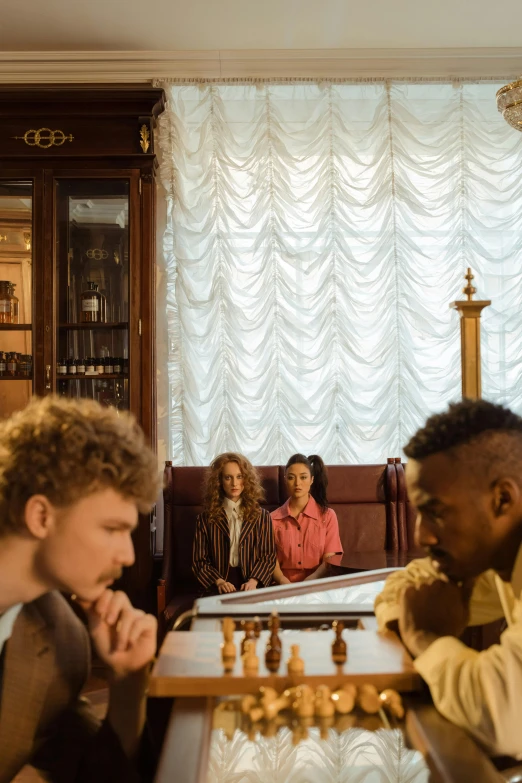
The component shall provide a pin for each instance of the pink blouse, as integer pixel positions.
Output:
(302, 542)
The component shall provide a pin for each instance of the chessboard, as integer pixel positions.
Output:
(189, 663)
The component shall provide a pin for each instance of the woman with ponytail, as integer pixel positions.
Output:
(306, 530)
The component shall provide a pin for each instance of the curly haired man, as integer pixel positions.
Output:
(73, 477)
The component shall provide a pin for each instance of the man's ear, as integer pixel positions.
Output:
(506, 495)
(39, 516)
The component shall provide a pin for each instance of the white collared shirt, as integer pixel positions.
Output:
(7, 621)
(479, 691)
(235, 521)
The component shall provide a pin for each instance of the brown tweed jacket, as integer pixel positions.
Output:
(211, 553)
(43, 719)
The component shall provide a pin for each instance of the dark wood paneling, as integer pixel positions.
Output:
(105, 122)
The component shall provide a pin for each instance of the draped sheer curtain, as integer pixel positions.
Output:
(316, 234)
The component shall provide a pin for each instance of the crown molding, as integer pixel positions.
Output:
(144, 67)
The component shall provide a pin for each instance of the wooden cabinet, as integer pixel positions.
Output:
(77, 212)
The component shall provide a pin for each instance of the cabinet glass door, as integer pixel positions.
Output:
(92, 347)
(16, 292)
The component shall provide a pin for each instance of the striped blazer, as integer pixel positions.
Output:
(211, 552)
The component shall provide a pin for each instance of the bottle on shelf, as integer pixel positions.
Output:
(62, 367)
(92, 305)
(5, 302)
(71, 366)
(80, 366)
(13, 359)
(3, 363)
(14, 303)
(117, 366)
(25, 366)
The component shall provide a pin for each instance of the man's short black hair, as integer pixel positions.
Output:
(461, 423)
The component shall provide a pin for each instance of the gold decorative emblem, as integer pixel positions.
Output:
(98, 255)
(3, 238)
(45, 138)
(145, 138)
(27, 239)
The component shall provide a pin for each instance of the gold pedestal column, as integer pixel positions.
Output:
(470, 311)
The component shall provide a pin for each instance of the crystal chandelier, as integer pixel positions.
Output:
(509, 103)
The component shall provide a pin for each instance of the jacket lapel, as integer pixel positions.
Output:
(28, 668)
(246, 529)
(222, 523)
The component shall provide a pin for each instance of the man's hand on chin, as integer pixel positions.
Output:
(431, 611)
(124, 637)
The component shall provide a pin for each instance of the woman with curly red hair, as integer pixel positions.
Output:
(234, 546)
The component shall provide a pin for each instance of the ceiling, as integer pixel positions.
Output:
(169, 25)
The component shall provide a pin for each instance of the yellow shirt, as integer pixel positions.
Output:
(482, 692)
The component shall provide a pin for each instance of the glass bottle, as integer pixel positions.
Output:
(80, 366)
(62, 367)
(14, 303)
(89, 366)
(71, 367)
(117, 366)
(109, 366)
(5, 302)
(12, 363)
(100, 365)
(91, 304)
(3, 363)
(23, 366)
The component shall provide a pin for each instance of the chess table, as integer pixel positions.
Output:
(205, 742)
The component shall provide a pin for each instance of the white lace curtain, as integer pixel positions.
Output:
(316, 235)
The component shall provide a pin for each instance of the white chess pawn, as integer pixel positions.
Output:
(295, 664)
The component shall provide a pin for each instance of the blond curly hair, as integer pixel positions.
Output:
(67, 449)
(213, 494)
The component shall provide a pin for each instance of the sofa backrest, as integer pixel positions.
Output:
(364, 498)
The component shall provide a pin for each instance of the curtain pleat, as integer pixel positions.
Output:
(316, 234)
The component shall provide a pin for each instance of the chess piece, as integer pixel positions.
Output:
(304, 702)
(273, 653)
(344, 722)
(299, 731)
(392, 702)
(324, 706)
(344, 698)
(228, 648)
(325, 724)
(274, 626)
(248, 702)
(368, 699)
(249, 634)
(258, 627)
(250, 659)
(295, 664)
(272, 707)
(339, 647)
(256, 714)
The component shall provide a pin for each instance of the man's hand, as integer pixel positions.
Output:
(250, 585)
(431, 611)
(225, 587)
(124, 637)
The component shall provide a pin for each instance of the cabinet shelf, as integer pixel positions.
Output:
(81, 377)
(15, 327)
(15, 378)
(83, 327)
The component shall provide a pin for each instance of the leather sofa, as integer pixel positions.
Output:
(370, 502)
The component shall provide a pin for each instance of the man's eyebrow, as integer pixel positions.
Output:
(123, 523)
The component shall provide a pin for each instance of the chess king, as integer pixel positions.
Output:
(464, 475)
